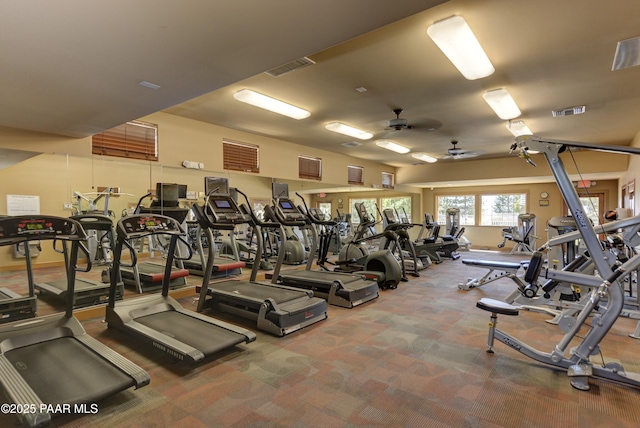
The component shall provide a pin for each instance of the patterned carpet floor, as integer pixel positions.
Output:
(414, 357)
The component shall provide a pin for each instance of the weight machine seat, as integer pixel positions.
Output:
(497, 307)
(490, 264)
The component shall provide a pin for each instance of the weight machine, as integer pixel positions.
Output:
(578, 363)
(523, 235)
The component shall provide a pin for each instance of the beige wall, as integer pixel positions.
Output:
(65, 165)
(511, 167)
(490, 236)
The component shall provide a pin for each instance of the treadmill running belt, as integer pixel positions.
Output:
(64, 371)
(256, 291)
(198, 334)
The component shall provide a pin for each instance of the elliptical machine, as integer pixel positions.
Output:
(355, 255)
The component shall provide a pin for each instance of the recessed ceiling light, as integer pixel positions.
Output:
(259, 100)
(341, 128)
(361, 89)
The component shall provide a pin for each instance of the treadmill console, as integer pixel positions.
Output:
(139, 225)
(288, 212)
(316, 214)
(224, 210)
(27, 228)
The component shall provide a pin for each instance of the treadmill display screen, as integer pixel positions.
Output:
(143, 225)
(37, 227)
(222, 203)
(286, 205)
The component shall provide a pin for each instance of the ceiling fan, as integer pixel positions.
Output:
(398, 124)
(459, 153)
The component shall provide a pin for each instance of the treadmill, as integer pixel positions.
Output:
(340, 289)
(159, 320)
(277, 309)
(148, 276)
(14, 306)
(223, 267)
(51, 360)
(86, 292)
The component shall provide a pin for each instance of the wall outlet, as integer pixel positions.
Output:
(67, 206)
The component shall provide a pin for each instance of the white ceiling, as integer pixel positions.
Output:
(72, 67)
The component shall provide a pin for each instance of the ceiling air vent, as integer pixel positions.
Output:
(351, 144)
(569, 111)
(290, 66)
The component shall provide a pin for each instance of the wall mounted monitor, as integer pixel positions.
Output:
(216, 185)
(279, 190)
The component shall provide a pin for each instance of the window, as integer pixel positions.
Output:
(325, 207)
(502, 210)
(237, 156)
(593, 205)
(466, 204)
(355, 175)
(133, 140)
(401, 206)
(370, 205)
(388, 180)
(309, 167)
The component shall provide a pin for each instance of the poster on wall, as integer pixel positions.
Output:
(23, 205)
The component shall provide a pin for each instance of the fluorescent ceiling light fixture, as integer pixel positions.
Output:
(256, 99)
(518, 127)
(424, 157)
(627, 54)
(149, 85)
(341, 128)
(502, 103)
(456, 40)
(394, 147)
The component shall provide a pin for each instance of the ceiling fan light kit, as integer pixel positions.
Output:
(341, 128)
(456, 40)
(259, 100)
(502, 103)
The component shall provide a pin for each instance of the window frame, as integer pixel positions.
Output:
(131, 140)
(448, 195)
(240, 156)
(309, 167)
(390, 182)
(355, 175)
(514, 214)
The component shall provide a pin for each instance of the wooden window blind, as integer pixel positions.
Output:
(237, 156)
(355, 174)
(310, 167)
(133, 140)
(388, 180)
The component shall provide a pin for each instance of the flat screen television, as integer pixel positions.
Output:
(167, 194)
